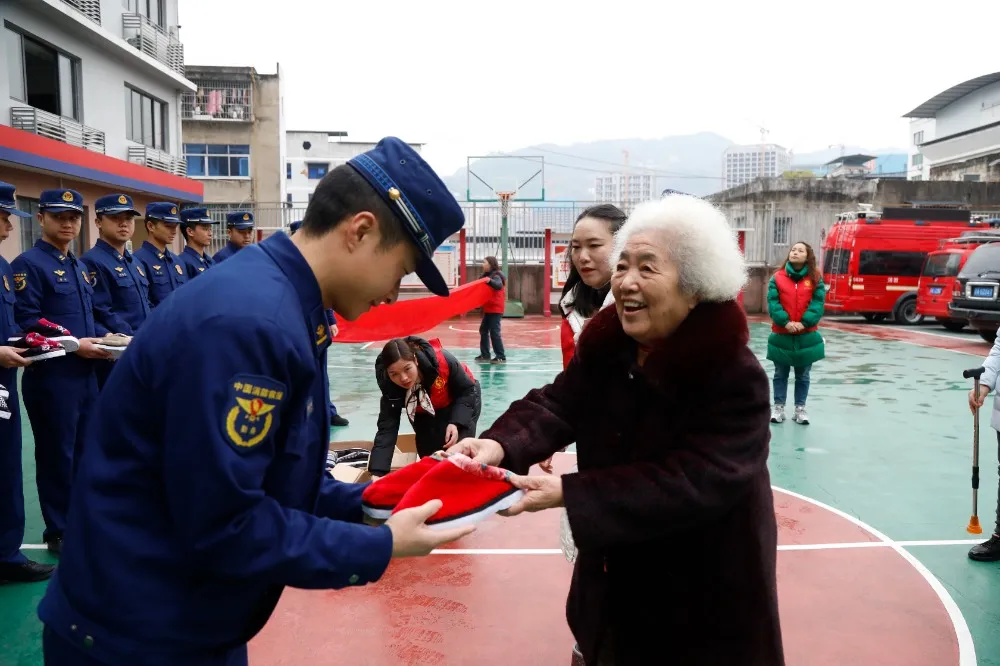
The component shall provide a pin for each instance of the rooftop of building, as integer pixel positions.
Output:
(931, 107)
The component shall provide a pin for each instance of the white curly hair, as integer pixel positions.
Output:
(698, 240)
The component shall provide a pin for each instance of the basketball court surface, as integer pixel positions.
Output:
(872, 501)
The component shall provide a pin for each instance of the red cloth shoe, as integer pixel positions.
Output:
(381, 496)
(469, 491)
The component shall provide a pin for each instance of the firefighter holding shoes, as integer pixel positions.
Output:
(202, 491)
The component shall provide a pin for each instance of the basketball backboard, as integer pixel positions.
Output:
(489, 175)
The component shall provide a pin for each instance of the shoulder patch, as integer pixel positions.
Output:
(250, 414)
(20, 281)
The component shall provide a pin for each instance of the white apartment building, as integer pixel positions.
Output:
(742, 164)
(626, 190)
(311, 155)
(965, 144)
(921, 131)
(90, 99)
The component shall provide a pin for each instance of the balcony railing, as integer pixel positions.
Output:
(157, 159)
(89, 8)
(56, 127)
(154, 41)
(218, 100)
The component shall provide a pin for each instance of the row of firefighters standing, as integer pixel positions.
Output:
(58, 309)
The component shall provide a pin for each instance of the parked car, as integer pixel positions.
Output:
(937, 280)
(976, 292)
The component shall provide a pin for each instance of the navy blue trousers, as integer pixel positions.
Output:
(58, 395)
(11, 476)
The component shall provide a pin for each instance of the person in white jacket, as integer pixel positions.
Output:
(990, 550)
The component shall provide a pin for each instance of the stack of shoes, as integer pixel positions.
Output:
(114, 343)
(4, 408)
(39, 348)
(52, 332)
(348, 457)
(469, 491)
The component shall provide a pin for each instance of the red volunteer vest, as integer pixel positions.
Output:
(495, 304)
(438, 391)
(567, 342)
(794, 298)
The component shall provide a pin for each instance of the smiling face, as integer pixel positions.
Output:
(646, 287)
(589, 250)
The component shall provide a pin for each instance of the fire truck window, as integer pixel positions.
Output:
(942, 265)
(835, 262)
(897, 264)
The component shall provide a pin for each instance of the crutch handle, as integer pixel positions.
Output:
(973, 373)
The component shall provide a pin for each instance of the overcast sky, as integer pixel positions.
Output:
(474, 77)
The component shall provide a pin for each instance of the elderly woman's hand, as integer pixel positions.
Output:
(486, 451)
(540, 493)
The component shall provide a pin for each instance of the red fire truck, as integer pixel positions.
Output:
(937, 280)
(872, 261)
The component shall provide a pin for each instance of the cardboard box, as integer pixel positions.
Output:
(404, 454)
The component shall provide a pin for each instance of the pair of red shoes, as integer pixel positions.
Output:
(469, 491)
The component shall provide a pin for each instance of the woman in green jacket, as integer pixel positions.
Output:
(795, 297)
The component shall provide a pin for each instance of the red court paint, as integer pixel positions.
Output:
(838, 606)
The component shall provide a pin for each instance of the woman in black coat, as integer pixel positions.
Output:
(440, 395)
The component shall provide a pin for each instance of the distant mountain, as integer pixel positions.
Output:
(691, 163)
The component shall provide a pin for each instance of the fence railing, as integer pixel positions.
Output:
(51, 126)
(770, 228)
(154, 41)
(89, 8)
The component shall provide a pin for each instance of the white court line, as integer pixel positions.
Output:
(966, 647)
(476, 330)
(911, 342)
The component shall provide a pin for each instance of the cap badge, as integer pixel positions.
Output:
(394, 193)
(122, 199)
(246, 217)
(67, 196)
(173, 211)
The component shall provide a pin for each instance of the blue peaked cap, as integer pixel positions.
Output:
(164, 211)
(294, 226)
(58, 201)
(191, 216)
(421, 201)
(112, 204)
(7, 202)
(240, 220)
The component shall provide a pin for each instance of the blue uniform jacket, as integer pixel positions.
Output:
(228, 251)
(164, 271)
(194, 264)
(121, 290)
(202, 491)
(55, 286)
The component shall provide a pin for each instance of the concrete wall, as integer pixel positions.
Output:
(979, 166)
(978, 108)
(102, 77)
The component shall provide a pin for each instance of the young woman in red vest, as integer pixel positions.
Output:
(795, 298)
(588, 287)
(489, 329)
(439, 394)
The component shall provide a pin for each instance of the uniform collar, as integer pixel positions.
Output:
(194, 253)
(291, 262)
(155, 250)
(106, 246)
(53, 250)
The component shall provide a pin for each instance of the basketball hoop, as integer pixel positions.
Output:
(504, 198)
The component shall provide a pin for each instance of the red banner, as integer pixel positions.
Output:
(414, 316)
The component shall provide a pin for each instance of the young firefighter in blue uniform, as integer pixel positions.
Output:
(121, 290)
(240, 227)
(336, 420)
(203, 491)
(162, 268)
(53, 285)
(196, 227)
(14, 566)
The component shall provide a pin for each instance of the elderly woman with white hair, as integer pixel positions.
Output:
(671, 509)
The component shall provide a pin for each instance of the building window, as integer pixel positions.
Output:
(31, 231)
(288, 197)
(151, 9)
(782, 230)
(918, 138)
(43, 77)
(145, 119)
(317, 171)
(288, 170)
(917, 160)
(217, 160)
